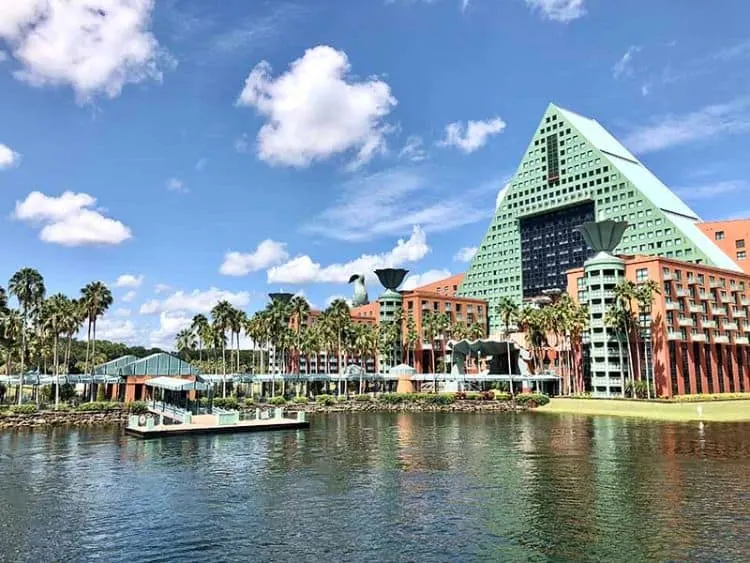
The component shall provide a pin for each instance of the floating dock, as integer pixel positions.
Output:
(147, 427)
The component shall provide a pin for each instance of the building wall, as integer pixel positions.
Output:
(733, 237)
(699, 325)
(447, 286)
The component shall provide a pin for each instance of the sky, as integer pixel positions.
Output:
(185, 151)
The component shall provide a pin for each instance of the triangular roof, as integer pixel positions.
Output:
(572, 170)
(160, 363)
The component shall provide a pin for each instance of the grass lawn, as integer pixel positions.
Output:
(714, 411)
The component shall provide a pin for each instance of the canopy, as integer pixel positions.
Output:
(402, 369)
(353, 369)
(176, 384)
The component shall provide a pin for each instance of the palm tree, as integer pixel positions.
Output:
(198, 327)
(625, 294)
(55, 314)
(507, 308)
(341, 318)
(578, 321)
(412, 337)
(616, 318)
(236, 321)
(185, 343)
(96, 298)
(73, 320)
(429, 330)
(299, 309)
(645, 294)
(27, 285)
(442, 325)
(221, 315)
(12, 329)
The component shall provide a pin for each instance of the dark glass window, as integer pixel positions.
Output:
(550, 246)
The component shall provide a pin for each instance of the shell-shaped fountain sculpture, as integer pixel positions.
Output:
(391, 278)
(603, 236)
(281, 296)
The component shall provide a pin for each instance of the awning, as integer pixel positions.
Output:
(485, 347)
(176, 384)
(402, 369)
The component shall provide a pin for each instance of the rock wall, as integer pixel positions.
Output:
(61, 418)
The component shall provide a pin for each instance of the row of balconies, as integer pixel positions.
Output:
(674, 335)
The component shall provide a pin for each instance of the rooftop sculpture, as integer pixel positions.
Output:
(391, 278)
(603, 236)
(360, 291)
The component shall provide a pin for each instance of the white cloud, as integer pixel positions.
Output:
(302, 269)
(201, 164)
(117, 330)
(122, 312)
(316, 110)
(95, 46)
(465, 254)
(706, 123)
(465, 4)
(3, 56)
(624, 66)
(161, 288)
(331, 298)
(472, 136)
(8, 157)
(413, 149)
(129, 296)
(413, 281)
(176, 185)
(715, 189)
(242, 143)
(390, 202)
(645, 89)
(268, 253)
(559, 10)
(169, 325)
(129, 280)
(195, 301)
(67, 220)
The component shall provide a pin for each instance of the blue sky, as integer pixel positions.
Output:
(231, 149)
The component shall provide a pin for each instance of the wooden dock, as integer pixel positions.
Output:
(207, 424)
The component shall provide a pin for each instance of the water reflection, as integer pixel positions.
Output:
(423, 486)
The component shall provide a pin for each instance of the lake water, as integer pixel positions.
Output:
(385, 487)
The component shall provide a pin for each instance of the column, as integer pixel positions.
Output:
(691, 370)
(745, 375)
(703, 364)
(732, 361)
(680, 371)
(714, 368)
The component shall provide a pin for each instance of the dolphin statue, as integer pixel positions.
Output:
(360, 291)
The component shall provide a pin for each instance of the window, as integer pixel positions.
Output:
(740, 243)
(741, 255)
(641, 275)
(719, 235)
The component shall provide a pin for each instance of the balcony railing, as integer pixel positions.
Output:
(739, 314)
(745, 301)
(667, 276)
(697, 337)
(720, 339)
(682, 292)
(714, 284)
(692, 280)
(708, 324)
(696, 309)
(685, 322)
(705, 295)
(729, 325)
(741, 340)
(719, 311)
(672, 305)
(726, 299)
(674, 335)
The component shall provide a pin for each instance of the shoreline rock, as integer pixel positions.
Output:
(75, 419)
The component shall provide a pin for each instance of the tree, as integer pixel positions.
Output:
(340, 317)
(55, 311)
(198, 327)
(27, 285)
(221, 315)
(299, 309)
(625, 295)
(430, 330)
(97, 298)
(645, 294)
(616, 318)
(185, 343)
(507, 309)
(412, 337)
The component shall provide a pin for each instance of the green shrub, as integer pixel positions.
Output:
(277, 401)
(342, 398)
(229, 403)
(326, 400)
(301, 400)
(532, 400)
(363, 398)
(440, 399)
(473, 396)
(23, 409)
(393, 398)
(502, 396)
(710, 397)
(100, 394)
(203, 401)
(137, 407)
(249, 402)
(99, 406)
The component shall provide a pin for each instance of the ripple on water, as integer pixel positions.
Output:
(386, 487)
